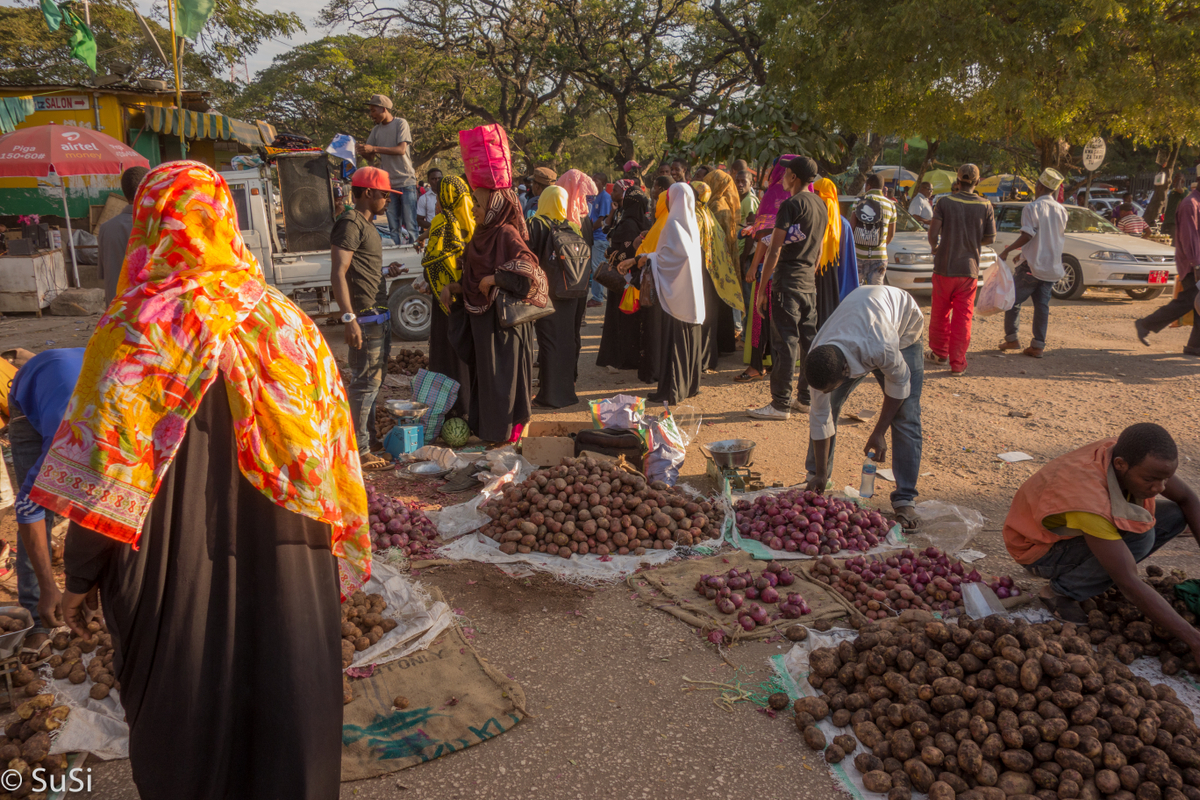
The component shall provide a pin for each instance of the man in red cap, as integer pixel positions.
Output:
(361, 293)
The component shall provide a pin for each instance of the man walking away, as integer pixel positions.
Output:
(1187, 258)
(876, 331)
(391, 142)
(599, 207)
(921, 207)
(963, 223)
(361, 294)
(427, 203)
(790, 269)
(113, 236)
(1043, 228)
(873, 221)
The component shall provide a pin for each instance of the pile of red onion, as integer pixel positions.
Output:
(731, 591)
(928, 580)
(800, 521)
(397, 524)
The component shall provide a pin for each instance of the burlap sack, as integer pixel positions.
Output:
(455, 700)
(673, 590)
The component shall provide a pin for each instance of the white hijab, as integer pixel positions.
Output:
(676, 261)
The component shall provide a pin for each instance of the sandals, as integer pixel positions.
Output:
(746, 377)
(907, 517)
(37, 652)
(373, 463)
(1065, 609)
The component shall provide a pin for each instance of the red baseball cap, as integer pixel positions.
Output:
(372, 178)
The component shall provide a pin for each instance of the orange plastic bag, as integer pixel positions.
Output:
(629, 300)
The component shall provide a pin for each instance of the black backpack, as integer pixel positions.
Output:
(571, 261)
(868, 222)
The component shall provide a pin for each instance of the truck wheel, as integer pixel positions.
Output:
(411, 313)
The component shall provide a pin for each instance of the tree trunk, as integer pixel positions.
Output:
(625, 145)
(866, 163)
(1052, 150)
(1160, 192)
(926, 165)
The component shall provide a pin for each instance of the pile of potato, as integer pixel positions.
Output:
(1116, 626)
(363, 624)
(998, 708)
(25, 745)
(407, 362)
(583, 507)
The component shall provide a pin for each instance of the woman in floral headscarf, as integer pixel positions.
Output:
(498, 258)
(207, 462)
(451, 229)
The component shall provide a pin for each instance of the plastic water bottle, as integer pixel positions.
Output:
(866, 488)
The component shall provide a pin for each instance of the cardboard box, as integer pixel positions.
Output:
(547, 443)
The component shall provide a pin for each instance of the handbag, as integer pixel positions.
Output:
(514, 311)
(648, 297)
(608, 276)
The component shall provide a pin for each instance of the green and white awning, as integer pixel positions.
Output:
(197, 125)
(13, 111)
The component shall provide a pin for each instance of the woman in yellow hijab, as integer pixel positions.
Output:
(837, 271)
(451, 229)
(722, 290)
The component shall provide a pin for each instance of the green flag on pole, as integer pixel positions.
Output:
(191, 16)
(52, 14)
(82, 41)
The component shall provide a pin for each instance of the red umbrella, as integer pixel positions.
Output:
(64, 150)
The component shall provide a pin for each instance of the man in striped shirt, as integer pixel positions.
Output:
(874, 224)
(1129, 222)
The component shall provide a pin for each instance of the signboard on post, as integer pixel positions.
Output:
(1093, 154)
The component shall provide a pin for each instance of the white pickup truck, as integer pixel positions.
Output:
(309, 271)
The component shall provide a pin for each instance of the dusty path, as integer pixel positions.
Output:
(603, 674)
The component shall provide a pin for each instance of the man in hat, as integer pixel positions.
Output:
(361, 292)
(543, 177)
(1043, 227)
(963, 222)
(391, 142)
(790, 269)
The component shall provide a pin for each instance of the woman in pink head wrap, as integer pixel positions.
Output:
(579, 188)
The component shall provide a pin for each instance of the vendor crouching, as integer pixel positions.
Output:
(1087, 518)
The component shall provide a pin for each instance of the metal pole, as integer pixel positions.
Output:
(178, 90)
(62, 182)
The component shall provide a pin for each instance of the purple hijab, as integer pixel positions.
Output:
(774, 196)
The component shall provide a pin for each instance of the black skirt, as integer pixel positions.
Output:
(558, 354)
(444, 359)
(501, 361)
(679, 346)
(227, 629)
(620, 339)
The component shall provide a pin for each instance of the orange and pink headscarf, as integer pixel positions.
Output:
(191, 304)
(579, 188)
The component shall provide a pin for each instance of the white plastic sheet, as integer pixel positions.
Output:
(98, 726)
(589, 569)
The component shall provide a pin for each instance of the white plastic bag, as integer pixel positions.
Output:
(999, 292)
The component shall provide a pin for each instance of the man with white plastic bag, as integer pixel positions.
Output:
(1043, 228)
(998, 291)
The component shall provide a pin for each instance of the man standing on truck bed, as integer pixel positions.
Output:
(361, 293)
(391, 142)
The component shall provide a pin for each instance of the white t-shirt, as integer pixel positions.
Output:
(426, 204)
(871, 326)
(921, 207)
(1046, 221)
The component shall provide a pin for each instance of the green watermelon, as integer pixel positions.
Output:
(456, 432)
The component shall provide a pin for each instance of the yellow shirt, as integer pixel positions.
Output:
(1091, 524)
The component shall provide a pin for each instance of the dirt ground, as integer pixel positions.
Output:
(604, 674)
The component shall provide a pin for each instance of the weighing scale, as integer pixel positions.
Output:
(729, 463)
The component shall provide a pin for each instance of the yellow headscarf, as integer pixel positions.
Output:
(716, 250)
(831, 246)
(726, 207)
(650, 243)
(448, 236)
(552, 206)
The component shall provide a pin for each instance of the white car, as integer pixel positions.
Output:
(1106, 205)
(1097, 255)
(910, 259)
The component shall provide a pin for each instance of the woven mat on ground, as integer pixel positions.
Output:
(673, 590)
(455, 700)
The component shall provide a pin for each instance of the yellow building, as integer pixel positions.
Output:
(145, 119)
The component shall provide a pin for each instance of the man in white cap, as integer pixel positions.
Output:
(390, 141)
(1039, 267)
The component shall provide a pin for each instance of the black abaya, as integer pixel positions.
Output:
(444, 359)
(679, 350)
(709, 346)
(827, 294)
(620, 339)
(227, 631)
(558, 354)
(501, 362)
